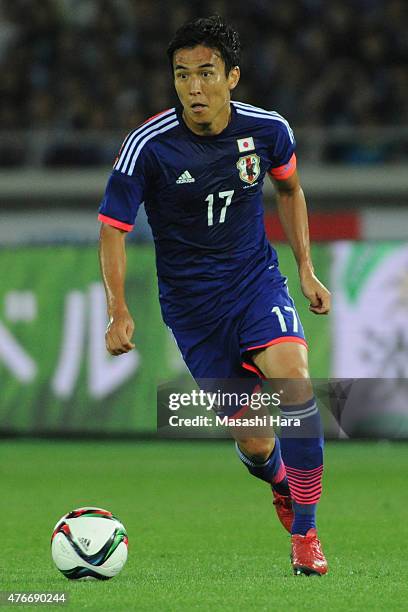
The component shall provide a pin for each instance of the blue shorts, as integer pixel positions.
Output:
(265, 315)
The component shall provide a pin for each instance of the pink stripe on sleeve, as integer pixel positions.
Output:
(115, 223)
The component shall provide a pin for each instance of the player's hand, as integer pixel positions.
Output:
(119, 333)
(318, 295)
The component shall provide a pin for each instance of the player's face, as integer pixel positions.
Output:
(203, 88)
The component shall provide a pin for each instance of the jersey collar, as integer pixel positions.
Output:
(225, 132)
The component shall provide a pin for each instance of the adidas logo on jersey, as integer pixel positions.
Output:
(185, 178)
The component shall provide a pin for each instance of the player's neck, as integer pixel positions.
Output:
(218, 125)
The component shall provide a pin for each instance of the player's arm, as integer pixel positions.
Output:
(123, 195)
(112, 257)
(292, 212)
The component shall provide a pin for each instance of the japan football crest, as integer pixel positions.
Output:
(249, 168)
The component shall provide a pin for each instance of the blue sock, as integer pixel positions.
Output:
(272, 470)
(302, 452)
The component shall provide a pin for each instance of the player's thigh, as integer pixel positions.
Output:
(275, 342)
(282, 360)
(286, 366)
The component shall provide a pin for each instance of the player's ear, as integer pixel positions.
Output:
(233, 77)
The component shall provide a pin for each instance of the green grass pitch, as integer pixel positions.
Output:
(202, 532)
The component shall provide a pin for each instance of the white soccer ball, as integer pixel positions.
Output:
(89, 543)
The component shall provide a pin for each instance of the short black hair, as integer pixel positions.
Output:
(210, 32)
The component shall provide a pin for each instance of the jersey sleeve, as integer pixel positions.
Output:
(123, 195)
(282, 151)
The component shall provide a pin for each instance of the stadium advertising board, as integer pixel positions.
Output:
(370, 314)
(56, 375)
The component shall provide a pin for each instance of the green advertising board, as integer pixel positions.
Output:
(55, 374)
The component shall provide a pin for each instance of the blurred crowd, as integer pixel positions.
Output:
(101, 64)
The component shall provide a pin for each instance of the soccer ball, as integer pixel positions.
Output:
(89, 543)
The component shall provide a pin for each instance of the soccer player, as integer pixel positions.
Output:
(199, 169)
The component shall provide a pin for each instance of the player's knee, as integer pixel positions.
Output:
(297, 386)
(258, 449)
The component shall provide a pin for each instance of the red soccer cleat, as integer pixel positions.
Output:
(307, 555)
(283, 507)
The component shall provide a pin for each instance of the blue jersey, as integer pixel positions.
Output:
(203, 198)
